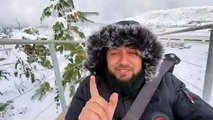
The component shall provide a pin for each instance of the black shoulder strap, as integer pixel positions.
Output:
(146, 93)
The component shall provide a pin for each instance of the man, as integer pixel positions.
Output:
(122, 57)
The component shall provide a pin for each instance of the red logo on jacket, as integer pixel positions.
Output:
(159, 116)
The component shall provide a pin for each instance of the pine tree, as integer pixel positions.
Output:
(66, 29)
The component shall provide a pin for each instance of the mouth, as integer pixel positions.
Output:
(123, 68)
(123, 72)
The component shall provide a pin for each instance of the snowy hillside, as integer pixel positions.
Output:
(179, 17)
(20, 90)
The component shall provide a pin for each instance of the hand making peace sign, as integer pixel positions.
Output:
(97, 108)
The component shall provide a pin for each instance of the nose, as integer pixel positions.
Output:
(123, 59)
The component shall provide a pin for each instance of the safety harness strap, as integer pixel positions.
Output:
(137, 108)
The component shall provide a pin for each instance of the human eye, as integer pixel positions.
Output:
(113, 53)
(133, 52)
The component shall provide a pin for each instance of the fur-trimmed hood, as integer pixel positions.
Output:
(121, 34)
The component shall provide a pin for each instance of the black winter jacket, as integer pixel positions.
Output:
(171, 99)
(170, 102)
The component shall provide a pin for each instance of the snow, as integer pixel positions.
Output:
(20, 91)
(2, 35)
(63, 21)
(191, 70)
(22, 35)
(190, 16)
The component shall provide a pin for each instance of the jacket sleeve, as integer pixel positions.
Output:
(78, 101)
(189, 106)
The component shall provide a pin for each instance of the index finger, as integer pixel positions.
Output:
(93, 87)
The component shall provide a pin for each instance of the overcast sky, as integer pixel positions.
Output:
(28, 12)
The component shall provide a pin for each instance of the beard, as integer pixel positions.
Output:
(128, 87)
(123, 76)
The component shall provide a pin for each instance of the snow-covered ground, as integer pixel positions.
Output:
(179, 17)
(191, 70)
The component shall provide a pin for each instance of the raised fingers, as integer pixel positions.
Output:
(97, 109)
(87, 115)
(93, 88)
(112, 105)
(99, 101)
(97, 106)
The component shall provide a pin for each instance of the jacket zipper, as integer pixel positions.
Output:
(190, 98)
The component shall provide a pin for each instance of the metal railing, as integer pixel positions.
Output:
(53, 57)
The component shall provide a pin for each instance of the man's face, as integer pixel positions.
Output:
(124, 63)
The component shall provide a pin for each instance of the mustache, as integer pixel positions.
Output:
(123, 67)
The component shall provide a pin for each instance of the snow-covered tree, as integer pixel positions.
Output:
(65, 28)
